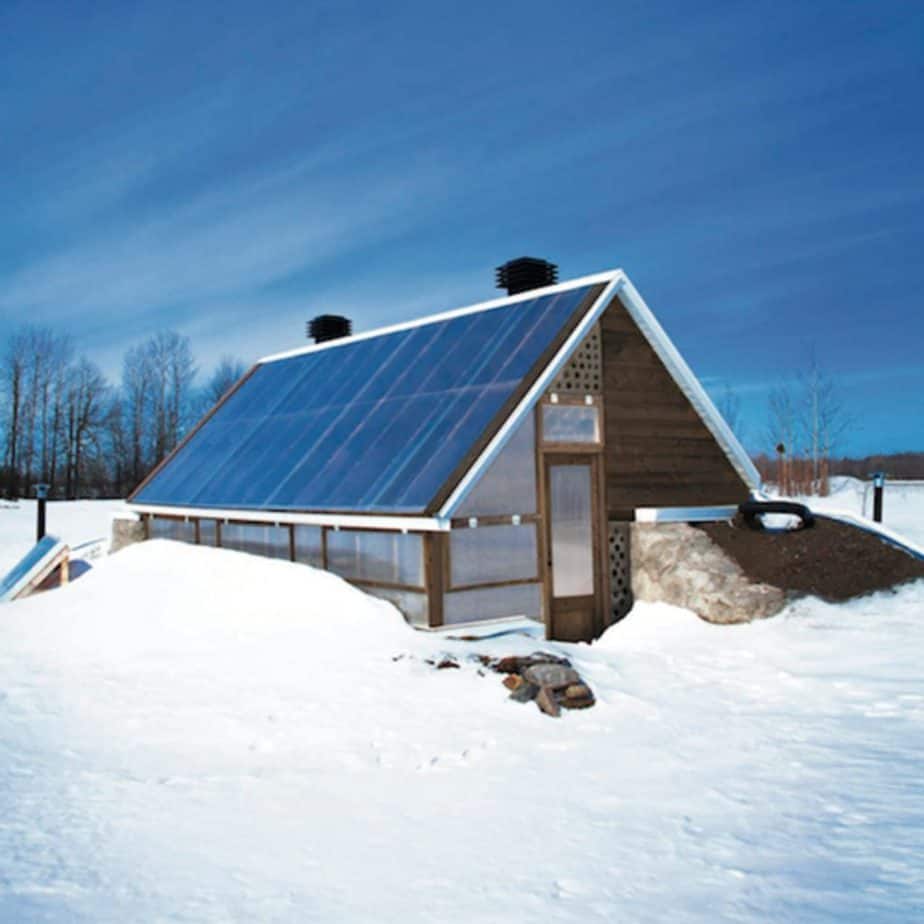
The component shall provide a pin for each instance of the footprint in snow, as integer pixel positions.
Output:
(569, 888)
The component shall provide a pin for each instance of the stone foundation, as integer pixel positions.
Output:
(127, 529)
(675, 563)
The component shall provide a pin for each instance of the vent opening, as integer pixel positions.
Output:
(329, 327)
(526, 273)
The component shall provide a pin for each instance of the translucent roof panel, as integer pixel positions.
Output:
(377, 424)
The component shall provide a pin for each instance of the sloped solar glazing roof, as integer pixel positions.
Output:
(369, 425)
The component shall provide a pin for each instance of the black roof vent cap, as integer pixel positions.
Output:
(329, 327)
(526, 273)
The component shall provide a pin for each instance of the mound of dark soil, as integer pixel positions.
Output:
(831, 560)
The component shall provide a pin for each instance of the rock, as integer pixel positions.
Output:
(551, 675)
(513, 681)
(127, 529)
(546, 701)
(524, 693)
(578, 696)
(516, 664)
(675, 563)
(508, 665)
(544, 657)
(447, 662)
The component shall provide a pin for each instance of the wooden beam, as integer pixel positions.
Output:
(435, 555)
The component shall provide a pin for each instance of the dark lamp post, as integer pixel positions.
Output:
(878, 487)
(41, 493)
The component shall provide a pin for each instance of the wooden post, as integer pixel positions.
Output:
(435, 545)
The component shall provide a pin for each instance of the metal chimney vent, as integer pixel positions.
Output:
(329, 327)
(526, 273)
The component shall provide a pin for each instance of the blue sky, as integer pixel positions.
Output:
(231, 169)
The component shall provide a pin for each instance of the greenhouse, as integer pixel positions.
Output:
(471, 466)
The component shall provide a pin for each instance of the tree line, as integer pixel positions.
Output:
(66, 425)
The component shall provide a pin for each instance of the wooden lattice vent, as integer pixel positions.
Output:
(620, 574)
(583, 373)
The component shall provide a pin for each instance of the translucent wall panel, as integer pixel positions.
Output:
(179, 530)
(493, 603)
(256, 538)
(493, 553)
(308, 545)
(373, 424)
(390, 557)
(208, 532)
(570, 423)
(412, 605)
(509, 484)
(571, 530)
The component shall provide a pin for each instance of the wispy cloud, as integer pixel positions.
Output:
(241, 238)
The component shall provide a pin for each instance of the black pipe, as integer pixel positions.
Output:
(752, 509)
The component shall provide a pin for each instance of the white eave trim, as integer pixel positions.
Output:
(614, 280)
(689, 385)
(617, 283)
(502, 302)
(685, 514)
(280, 518)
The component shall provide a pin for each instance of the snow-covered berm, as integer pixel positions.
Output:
(191, 734)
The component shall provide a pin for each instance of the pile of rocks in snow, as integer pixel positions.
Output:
(548, 680)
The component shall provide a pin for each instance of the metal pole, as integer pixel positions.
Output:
(41, 492)
(878, 486)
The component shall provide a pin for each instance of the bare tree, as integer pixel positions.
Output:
(782, 434)
(15, 359)
(34, 368)
(729, 406)
(806, 421)
(823, 422)
(85, 414)
(227, 373)
(136, 400)
(156, 400)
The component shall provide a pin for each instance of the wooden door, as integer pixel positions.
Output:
(573, 517)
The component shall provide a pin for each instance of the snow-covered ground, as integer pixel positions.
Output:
(190, 734)
(902, 507)
(74, 522)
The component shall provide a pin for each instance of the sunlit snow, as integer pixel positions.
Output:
(191, 734)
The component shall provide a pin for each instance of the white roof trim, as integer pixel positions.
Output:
(685, 514)
(615, 280)
(675, 364)
(690, 385)
(342, 520)
(503, 302)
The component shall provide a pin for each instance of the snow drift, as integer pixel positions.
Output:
(192, 734)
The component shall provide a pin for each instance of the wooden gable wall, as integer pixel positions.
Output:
(659, 453)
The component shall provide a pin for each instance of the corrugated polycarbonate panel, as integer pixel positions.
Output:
(371, 425)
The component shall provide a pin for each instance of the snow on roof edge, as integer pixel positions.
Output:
(504, 301)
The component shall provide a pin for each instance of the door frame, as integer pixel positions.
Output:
(572, 455)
